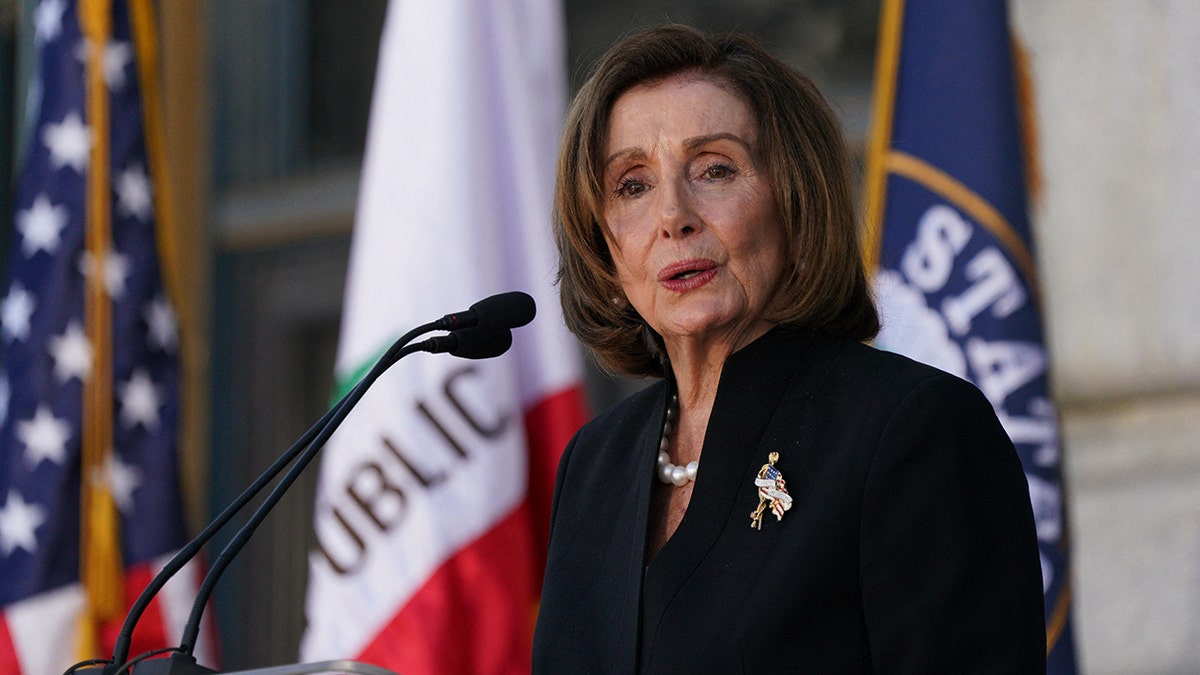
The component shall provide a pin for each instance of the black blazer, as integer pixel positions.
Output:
(910, 546)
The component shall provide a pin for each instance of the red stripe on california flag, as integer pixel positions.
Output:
(549, 425)
(486, 594)
(8, 651)
(483, 597)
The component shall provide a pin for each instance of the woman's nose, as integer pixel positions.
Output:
(677, 215)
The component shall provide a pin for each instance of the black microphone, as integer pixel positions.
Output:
(482, 331)
(503, 310)
(469, 343)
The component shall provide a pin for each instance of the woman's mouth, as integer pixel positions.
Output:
(687, 274)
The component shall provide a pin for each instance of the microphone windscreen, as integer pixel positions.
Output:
(504, 310)
(481, 342)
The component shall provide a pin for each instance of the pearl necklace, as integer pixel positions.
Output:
(667, 472)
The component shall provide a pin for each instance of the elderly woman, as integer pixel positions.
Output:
(786, 498)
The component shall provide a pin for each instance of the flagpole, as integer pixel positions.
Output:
(887, 65)
(100, 561)
(142, 18)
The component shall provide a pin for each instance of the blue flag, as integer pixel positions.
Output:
(950, 242)
(89, 375)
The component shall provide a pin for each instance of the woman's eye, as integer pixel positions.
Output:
(630, 187)
(719, 171)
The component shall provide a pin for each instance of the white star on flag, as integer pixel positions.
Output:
(116, 270)
(117, 55)
(161, 325)
(19, 521)
(45, 437)
(47, 20)
(69, 142)
(72, 353)
(133, 193)
(41, 226)
(121, 479)
(15, 312)
(139, 401)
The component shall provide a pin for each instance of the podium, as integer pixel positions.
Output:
(321, 668)
(172, 666)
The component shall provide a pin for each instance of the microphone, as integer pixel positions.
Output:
(503, 310)
(470, 343)
(482, 331)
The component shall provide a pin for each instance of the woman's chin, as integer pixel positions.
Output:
(720, 331)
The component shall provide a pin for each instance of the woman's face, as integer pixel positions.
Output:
(693, 227)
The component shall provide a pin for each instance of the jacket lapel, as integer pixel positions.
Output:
(753, 382)
(632, 547)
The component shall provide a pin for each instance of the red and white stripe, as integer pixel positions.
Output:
(39, 635)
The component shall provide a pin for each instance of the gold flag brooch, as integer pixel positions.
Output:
(772, 492)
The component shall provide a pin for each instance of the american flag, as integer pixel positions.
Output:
(99, 364)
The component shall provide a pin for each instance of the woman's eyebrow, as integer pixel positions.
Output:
(632, 152)
(690, 144)
(697, 141)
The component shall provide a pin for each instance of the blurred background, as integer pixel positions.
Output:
(266, 109)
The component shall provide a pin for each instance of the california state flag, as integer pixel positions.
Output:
(433, 501)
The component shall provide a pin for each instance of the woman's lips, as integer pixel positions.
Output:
(687, 274)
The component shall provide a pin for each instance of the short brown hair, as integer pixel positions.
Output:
(801, 145)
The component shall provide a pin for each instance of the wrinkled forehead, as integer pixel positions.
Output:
(677, 112)
(717, 81)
